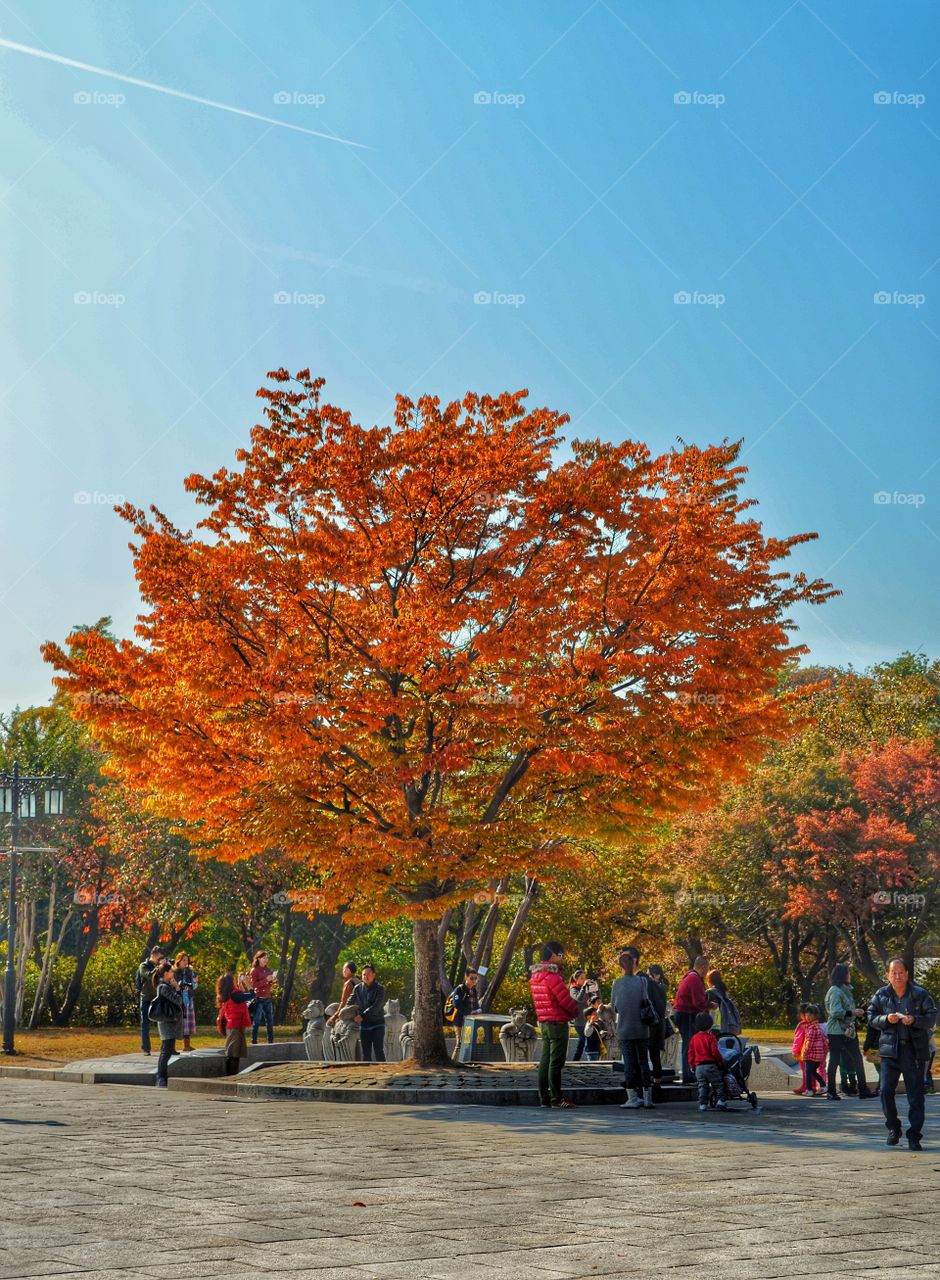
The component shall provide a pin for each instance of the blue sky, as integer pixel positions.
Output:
(582, 162)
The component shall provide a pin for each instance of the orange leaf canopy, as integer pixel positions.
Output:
(413, 657)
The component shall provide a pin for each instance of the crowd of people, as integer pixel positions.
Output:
(901, 1020)
(165, 989)
(244, 1001)
(636, 1022)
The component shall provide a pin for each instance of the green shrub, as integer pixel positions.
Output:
(762, 996)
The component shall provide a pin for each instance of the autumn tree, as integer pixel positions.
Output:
(417, 657)
(872, 866)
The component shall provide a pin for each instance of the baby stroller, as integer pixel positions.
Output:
(739, 1057)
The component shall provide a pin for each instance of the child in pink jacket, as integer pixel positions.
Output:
(810, 1047)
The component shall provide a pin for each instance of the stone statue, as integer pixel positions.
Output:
(607, 1021)
(407, 1041)
(314, 1032)
(327, 1047)
(517, 1037)
(345, 1034)
(394, 1021)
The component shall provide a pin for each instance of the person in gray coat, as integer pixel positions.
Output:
(169, 1001)
(627, 998)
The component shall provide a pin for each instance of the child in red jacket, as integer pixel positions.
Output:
(234, 1019)
(706, 1061)
(810, 1047)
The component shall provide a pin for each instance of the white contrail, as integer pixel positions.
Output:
(174, 93)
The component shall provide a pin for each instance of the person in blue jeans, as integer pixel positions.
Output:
(369, 999)
(262, 980)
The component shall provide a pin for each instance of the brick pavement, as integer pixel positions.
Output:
(263, 1188)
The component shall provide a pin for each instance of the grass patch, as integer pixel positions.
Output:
(54, 1046)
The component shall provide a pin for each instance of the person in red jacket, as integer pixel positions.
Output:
(232, 999)
(706, 1061)
(690, 1001)
(554, 1009)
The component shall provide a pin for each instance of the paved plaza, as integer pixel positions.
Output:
(105, 1181)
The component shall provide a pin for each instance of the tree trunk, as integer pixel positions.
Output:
(443, 928)
(287, 983)
(177, 935)
(49, 956)
(509, 947)
(430, 1047)
(73, 991)
(153, 938)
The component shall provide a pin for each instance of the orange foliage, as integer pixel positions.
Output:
(412, 657)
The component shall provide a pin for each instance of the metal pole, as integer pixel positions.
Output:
(9, 992)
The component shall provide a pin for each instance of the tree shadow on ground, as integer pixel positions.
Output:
(811, 1125)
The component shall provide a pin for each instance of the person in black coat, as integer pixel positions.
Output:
(904, 1015)
(368, 999)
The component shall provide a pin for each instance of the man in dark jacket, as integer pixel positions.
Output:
(465, 1000)
(144, 988)
(554, 1009)
(369, 998)
(904, 1015)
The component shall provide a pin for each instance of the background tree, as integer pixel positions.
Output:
(414, 658)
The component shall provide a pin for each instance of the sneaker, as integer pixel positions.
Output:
(833, 1097)
(702, 1106)
(161, 1084)
(565, 1105)
(799, 1091)
(721, 1106)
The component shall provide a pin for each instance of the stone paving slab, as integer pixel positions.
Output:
(458, 1192)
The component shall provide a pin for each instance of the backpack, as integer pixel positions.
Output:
(451, 1012)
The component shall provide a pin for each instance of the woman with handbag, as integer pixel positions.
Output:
(630, 1000)
(842, 1014)
(166, 1010)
